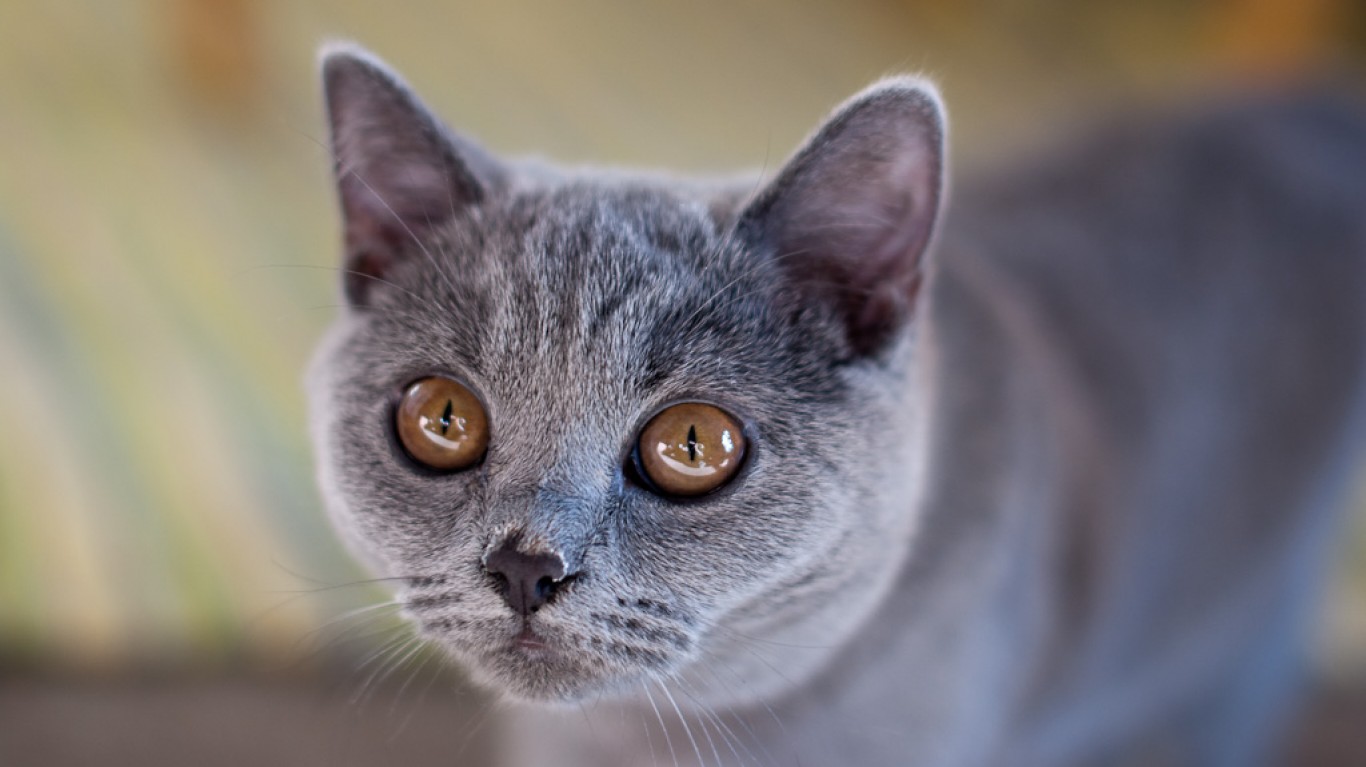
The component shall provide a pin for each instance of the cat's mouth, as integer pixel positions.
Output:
(530, 642)
(569, 651)
(548, 661)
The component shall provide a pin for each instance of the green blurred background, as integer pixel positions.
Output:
(167, 235)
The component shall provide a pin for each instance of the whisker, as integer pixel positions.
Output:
(588, 722)
(764, 701)
(310, 579)
(744, 722)
(386, 652)
(398, 696)
(667, 740)
(350, 584)
(386, 669)
(748, 647)
(373, 655)
(687, 729)
(649, 739)
(772, 642)
(266, 612)
(427, 688)
(355, 633)
(294, 595)
(711, 742)
(422, 663)
(722, 728)
(359, 611)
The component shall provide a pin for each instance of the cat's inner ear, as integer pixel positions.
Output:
(399, 172)
(849, 218)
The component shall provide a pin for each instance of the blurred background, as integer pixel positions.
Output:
(169, 589)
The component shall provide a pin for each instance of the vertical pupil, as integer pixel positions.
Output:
(446, 418)
(692, 442)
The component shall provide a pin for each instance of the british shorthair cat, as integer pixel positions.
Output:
(810, 471)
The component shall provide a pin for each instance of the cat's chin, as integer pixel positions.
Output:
(550, 670)
(550, 677)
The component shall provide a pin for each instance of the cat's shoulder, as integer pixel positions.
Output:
(1248, 211)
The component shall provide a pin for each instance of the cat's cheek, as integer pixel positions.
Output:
(359, 536)
(343, 521)
(338, 505)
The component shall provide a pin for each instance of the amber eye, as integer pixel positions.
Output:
(442, 425)
(691, 449)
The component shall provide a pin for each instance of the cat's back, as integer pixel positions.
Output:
(1162, 258)
(1167, 323)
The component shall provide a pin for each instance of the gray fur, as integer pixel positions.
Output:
(1062, 498)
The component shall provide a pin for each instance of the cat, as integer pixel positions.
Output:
(789, 471)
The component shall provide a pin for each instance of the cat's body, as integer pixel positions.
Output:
(1158, 411)
(1062, 498)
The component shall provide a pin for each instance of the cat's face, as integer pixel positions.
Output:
(574, 309)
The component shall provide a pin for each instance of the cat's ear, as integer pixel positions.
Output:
(400, 173)
(850, 216)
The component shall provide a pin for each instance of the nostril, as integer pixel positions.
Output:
(546, 587)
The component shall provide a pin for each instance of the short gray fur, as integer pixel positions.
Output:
(1058, 492)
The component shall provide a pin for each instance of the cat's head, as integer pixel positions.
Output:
(601, 425)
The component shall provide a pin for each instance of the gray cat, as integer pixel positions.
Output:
(744, 473)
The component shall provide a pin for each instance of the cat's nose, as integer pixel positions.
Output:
(527, 580)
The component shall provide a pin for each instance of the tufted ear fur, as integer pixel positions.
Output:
(851, 214)
(399, 172)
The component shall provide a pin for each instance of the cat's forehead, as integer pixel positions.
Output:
(616, 224)
(607, 265)
(613, 281)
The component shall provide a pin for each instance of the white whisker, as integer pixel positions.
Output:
(684, 721)
(667, 740)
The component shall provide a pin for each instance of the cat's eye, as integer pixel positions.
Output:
(691, 449)
(442, 425)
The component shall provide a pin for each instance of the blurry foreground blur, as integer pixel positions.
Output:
(169, 590)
